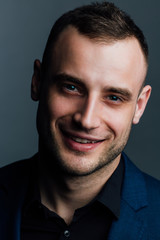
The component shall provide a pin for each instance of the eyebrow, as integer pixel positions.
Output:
(66, 77)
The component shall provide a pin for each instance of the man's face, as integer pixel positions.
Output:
(90, 101)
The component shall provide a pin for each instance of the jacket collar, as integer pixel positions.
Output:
(132, 223)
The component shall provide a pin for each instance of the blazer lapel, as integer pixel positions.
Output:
(131, 224)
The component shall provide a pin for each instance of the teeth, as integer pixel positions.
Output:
(80, 140)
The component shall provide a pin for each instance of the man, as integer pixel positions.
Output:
(91, 89)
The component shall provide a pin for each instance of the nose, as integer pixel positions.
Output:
(88, 114)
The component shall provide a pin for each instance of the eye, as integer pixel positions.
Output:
(114, 98)
(70, 87)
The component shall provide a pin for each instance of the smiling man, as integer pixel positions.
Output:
(91, 89)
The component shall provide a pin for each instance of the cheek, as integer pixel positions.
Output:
(119, 120)
(60, 107)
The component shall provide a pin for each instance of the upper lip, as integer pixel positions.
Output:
(82, 136)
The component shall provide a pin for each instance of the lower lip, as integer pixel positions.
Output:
(80, 147)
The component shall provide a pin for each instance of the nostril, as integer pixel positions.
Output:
(77, 117)
(77, 121)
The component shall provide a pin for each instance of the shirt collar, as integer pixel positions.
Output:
(109, 196)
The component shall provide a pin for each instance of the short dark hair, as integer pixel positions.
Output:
(100, 21)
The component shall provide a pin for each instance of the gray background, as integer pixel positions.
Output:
(24, 27)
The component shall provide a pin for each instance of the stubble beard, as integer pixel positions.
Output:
(56, 163)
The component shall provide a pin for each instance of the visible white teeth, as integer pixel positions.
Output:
(80, 140)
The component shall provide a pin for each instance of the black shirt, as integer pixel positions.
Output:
(92, 221)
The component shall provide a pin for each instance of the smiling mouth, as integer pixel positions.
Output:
(82, 140)
(79, 139)
(80, 143)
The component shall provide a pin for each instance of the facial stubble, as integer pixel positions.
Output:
(57, 163)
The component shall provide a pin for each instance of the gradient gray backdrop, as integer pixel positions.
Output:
(24, 27)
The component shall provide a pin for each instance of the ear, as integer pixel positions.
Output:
(36, 81)
(141, 103)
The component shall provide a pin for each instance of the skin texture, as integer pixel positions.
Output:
(90, 93)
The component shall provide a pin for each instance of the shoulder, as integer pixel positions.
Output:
(134, 174)
(139, 187)
(153, 191)
(16, 166)
(16, 172)
(152, 183)
(153, 208)
(142, 193)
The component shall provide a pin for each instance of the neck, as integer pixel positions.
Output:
(64, 194)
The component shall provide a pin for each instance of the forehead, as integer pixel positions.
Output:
(77, 55)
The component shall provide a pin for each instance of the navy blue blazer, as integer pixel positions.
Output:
(140, 203)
